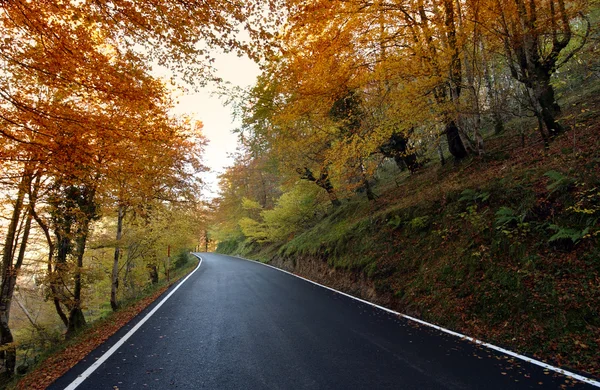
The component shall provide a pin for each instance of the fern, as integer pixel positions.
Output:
(558, 181)
(472, 196)
(567, 234)
(395, 222)
(419, 223)
(506, 216)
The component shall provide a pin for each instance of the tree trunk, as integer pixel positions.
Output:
(263, 195)
(479, 144)
(533, 57)
(323, 182)
(368, 190)
(400, 164)
(441, 154)
(335, 202)
(132, 254)
(366, 185)
(153, 273)
(410, 160)
(56, 295)
(492, 93)
(8, 352)
(76, 317)
(455, 144)
(537, 110)
(498, 122)
(397, 148)
(543, 92)
(84, 201)
(115, 270)
(76, 321)
(22, 249)
(63, 246)
(51, 271)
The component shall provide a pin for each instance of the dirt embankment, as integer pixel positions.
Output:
(351, 282)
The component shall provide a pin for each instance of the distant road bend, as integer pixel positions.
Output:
(237, 324)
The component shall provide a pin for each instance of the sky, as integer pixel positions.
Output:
(216, 117)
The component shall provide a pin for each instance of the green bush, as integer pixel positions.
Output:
(182, 258)
(563, 233)
(419, 224)
(471, 196)
(295, 211)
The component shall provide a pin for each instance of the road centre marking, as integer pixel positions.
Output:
(79, 380)
(448, 331)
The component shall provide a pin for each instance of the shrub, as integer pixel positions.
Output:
(181, 259)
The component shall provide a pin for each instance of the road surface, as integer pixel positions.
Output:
(236, 324)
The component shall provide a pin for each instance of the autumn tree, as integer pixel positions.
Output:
(295, 210)
(299, 144)
(68, 69)
(394, 55)
(538, 37)
(252, 179)
(163, 169)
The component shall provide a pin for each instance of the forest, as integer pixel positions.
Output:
(439, 157)
(436, 157)
(100, 181)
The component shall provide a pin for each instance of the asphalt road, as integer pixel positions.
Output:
(236, 324)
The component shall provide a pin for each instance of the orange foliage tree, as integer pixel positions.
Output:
(537, 38)
(80, 110)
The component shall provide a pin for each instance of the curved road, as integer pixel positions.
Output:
(236, 324)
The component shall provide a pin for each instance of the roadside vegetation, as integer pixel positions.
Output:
(420, 169)
(100, 181)
(502, 247)
(59, 357)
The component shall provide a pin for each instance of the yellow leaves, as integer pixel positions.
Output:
(250, 205)
(79, 100)
(293, 211)
(253, 229)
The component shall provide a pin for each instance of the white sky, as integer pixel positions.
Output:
(217, 118)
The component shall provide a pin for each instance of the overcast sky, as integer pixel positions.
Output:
(217, 118)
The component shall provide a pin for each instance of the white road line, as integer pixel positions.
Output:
(79, 380)
(448, 331)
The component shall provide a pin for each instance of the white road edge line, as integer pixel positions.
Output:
(448, 331)
(79, 380)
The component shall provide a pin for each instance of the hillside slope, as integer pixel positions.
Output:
(503, 247)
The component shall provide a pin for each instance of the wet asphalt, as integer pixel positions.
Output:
(236, 324)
